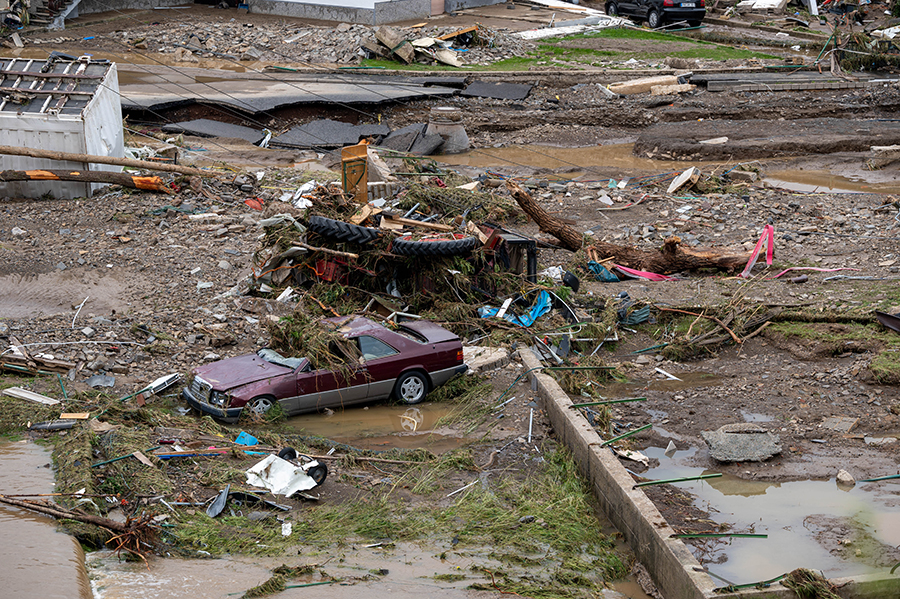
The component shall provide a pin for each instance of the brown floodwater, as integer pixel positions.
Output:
(36, 561)
(795, 515)
(619, 157)
(384, 427)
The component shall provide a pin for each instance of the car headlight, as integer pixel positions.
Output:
(218, 398)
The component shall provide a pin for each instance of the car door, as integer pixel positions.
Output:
(384, 363)
(629, 8)
(322, 388)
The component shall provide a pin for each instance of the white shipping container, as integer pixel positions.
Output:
(60, 105)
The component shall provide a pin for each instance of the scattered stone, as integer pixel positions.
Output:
(741, 442)
(88, 332)
(845, 478)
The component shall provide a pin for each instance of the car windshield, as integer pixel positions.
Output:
(272, 356)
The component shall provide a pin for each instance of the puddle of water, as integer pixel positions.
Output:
(817, 181)
(781, 510)
(751, 417)
(36, 561)
(383, 427)
(619, 156)
(689, 380)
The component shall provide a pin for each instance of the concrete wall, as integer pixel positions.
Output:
(454, 5)
(379, 13)
(671, 565)
(668, 560)
(86, 7)
(366, 12)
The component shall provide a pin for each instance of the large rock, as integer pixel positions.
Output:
(742, 442)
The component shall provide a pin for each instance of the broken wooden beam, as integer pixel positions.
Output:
(92, 159)
(112, 178)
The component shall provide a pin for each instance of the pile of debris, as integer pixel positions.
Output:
(342, 44)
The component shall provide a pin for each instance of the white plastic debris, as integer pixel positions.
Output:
(279, 476)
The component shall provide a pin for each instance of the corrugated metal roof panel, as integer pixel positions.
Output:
(56, 86)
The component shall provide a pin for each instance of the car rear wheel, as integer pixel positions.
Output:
(318, 473)
(653, 20)
(694, 23)
(411, 388)
(612, 9)
(262, 404)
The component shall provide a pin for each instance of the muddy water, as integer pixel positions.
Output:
(619, 157)
(384, 427)
(614, 156)
(789, 514)
(36, 561)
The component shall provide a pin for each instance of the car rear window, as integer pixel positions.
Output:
(411, 334)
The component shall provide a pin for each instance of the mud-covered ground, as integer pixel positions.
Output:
(139, 261)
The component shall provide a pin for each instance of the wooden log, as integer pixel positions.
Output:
(408, 222)
(59, 512)
(673, 257)
(91, 159)
(123, 179)
(570, 238)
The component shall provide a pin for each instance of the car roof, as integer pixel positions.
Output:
(353, 325)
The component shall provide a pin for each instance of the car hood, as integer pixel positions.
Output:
(234, 372)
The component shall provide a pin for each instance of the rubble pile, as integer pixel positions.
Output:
(341, 44)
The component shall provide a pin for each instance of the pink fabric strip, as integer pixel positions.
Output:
(650, 276)
(768, 235)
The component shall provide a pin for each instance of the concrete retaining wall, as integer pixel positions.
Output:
(86, 7)
(365, 13)
(454, 5)
(670, 563)
(382, 13)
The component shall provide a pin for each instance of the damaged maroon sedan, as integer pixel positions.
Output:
(404, 363)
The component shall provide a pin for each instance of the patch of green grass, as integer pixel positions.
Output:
(885, 367)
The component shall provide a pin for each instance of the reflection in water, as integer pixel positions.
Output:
(383, 427)
(783, 511)
(36, 561)
(689, 380)
(619, 157)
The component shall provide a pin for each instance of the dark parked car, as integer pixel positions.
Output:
(658, 12)
(406, 363)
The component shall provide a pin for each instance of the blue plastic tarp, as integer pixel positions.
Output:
(541, 306)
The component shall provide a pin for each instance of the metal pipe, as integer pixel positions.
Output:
(628, 434)
(677, 480)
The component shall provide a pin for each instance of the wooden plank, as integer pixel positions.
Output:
(143, 459)
(399, 220)
(460, 32)
(75, 415)
(27, 395)
(362, 214)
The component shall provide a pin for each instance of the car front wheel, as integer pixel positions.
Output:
(653, 20)
(611, 9)
(411, 388)
(262, 404)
